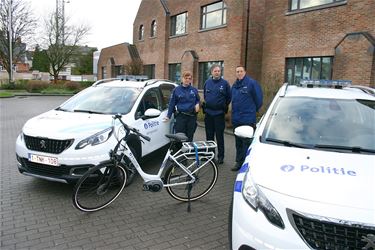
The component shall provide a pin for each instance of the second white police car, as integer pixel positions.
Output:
(308, 178)
(61, 144)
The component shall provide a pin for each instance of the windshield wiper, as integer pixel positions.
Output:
(287, 143)
(346, 148)
(87, 111)
(60, 109)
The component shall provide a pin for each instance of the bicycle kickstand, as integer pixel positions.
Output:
(189, 192)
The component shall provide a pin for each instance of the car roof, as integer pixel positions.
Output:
(324, 92)
(130, 83)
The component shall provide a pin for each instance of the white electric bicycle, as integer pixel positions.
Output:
(189, 174)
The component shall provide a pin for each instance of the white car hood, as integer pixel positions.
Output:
(63, 125)
(343, 179)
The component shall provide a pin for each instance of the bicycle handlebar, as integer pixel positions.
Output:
(134, 130)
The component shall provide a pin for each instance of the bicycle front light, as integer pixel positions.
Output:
(257, 200)
(96, 139)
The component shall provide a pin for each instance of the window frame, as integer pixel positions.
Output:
(204, 13)
(169, 72)
(173, 24)
(149, 68)
(292, 62)
(318, 6)
(201, 78)
(141, 32)
(153, 28)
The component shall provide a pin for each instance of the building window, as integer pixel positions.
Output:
(174, 72)
(149, 71)
(213, 15)
(117, 70)
(141, 33)
(179, 24)
(153, 28)
(304, 4)
(104, 72)
(205, 71)
(308, 68)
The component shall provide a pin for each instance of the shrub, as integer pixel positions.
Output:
(36, 86)
(86, 84)
(73, 86)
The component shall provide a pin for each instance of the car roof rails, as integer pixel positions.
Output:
(103, 81)
(152, 81)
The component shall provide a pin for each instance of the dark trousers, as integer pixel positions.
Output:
(186, 124)
(215, 126)
(242, 144)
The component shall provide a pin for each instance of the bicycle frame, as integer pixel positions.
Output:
(172, 157)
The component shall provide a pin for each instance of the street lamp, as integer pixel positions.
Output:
(10, 43)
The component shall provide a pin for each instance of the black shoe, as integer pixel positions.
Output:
(236, 167)
(220, 160)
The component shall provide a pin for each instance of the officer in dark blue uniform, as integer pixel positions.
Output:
(217, 97)
(184, 103)
(247, 99)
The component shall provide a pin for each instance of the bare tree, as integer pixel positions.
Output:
(61, 41)
(22, 26)
(134, 67)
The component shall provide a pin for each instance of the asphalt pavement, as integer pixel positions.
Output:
(38, 214)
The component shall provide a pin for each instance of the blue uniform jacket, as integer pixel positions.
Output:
(217, 96)
(184, 99)
(247, 99)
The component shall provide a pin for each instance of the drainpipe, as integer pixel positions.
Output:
(247, 32)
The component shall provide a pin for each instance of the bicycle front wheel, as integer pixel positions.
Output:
(99, 187)
(206, 178)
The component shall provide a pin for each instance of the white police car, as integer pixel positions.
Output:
(61, 144)
(308, 178)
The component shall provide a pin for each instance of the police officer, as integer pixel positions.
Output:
(247, 99)
(217, 97)
(184, 102)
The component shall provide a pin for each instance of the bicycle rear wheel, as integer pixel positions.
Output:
(206, 178)
(99, 187)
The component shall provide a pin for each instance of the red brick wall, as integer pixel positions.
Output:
(312, 33)
(354, 59)
(222, 44)
(119, 52)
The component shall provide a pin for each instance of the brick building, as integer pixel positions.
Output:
(177, 35)
(303, 39)
(277, 40)
(113, 60)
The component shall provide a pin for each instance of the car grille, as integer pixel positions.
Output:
(42, 169)
(320, 234)
(47, 170)
(47, 145)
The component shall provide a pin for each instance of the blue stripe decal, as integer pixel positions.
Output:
(238, 186)
(244, 168)
(248, 151)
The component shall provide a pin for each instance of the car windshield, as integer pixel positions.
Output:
(328, 124)
(102, 100)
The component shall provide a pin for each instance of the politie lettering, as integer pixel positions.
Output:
(327, 170)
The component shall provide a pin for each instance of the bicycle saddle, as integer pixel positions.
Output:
(181, 137)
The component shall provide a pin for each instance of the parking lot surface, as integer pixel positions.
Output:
(37, 214)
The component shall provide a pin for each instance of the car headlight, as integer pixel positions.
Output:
(96, 139)
(257, 200)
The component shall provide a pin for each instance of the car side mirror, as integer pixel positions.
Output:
(151, 113)
(244, 131)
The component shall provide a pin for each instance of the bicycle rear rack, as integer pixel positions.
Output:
(200, 146)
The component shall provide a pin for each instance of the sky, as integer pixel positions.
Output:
(110, 21)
